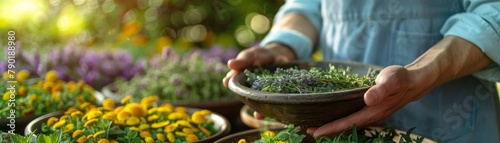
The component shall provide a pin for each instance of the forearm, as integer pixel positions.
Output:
(296, 22)
(451, 58)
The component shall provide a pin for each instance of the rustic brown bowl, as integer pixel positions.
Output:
(310, 109)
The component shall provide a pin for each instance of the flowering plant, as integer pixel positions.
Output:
(43, 96)
(193, 76)
(96, 68)
(134, 122)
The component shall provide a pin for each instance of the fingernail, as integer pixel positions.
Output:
(372, 98)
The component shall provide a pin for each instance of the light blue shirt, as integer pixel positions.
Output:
(396, 32)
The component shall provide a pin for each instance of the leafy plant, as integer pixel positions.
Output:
(194, 76)
(314, 80)
(386, 135)
(35, 96)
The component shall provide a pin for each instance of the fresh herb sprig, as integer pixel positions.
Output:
(386, 135)
(314, 80)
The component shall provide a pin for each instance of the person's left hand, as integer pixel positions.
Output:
(393, 90)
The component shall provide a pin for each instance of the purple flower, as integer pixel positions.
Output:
(3, 66)
(166, 52)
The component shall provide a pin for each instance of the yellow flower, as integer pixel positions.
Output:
(124, 114)
(161, 137)
(47, 86)
(149, 140)
(170, 128)
(242, 141)
(52, 120)
(149, 101)
(55, 96)
(6, 76)
(22, 91)
(101, 132)
(84, 105)
(145, 134)
(103, 141)
(68, 128)
(180, 109)
(93, 114)
(118, 109)
(90, 122)
(160, 124)
(6, 96)
(192, 138)
(59, 124)
(152, 110)
(109, 116)
(144, 127)
(187, 131)
(76, 113)
(23, 75)
(181, 134)
(269, 133)
(204, 130)
(174, 116)
(205, 112)
(153, 117)
(77, 133)
(51, 76)
(198, 117)
(136, 109)
(132, 121)
(167, 107)
(108, 103)
(135, 129)
(183, 123)
(90, 136)
(114, 141)
(126, 99)
(70, 110)
(71, 85)
(171, 137)
(82, 139)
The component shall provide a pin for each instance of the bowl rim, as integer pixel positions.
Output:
(225, 127)
(271, 97)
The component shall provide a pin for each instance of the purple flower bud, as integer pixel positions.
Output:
(166, 52)
(3, 66)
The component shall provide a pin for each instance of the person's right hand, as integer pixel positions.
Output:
(256, 56)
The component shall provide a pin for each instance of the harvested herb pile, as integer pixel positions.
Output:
(314, 80)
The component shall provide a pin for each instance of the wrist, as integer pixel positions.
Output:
(281, 49)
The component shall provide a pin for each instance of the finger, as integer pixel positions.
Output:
(375, 94)
(226, 79)
(258, 116)
(362, 118)
(389, 82)
(311, 130)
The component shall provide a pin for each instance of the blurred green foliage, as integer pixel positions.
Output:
(143, 27)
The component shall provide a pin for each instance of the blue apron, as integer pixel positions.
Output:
(396, 32)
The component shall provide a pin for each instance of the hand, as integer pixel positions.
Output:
(255, 56)
(392, 91)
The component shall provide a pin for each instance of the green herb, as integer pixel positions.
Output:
(314, 80)
(387, 135)
(180, 78)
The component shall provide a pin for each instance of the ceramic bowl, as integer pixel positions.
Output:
(246, 115)
(309, 109)
(221, 123)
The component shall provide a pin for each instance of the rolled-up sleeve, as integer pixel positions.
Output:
(480, 24)
(300, 43)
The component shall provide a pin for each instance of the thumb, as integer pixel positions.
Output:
(389, 82)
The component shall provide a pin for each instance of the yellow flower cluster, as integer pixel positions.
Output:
(46, 95)
(147, 120)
